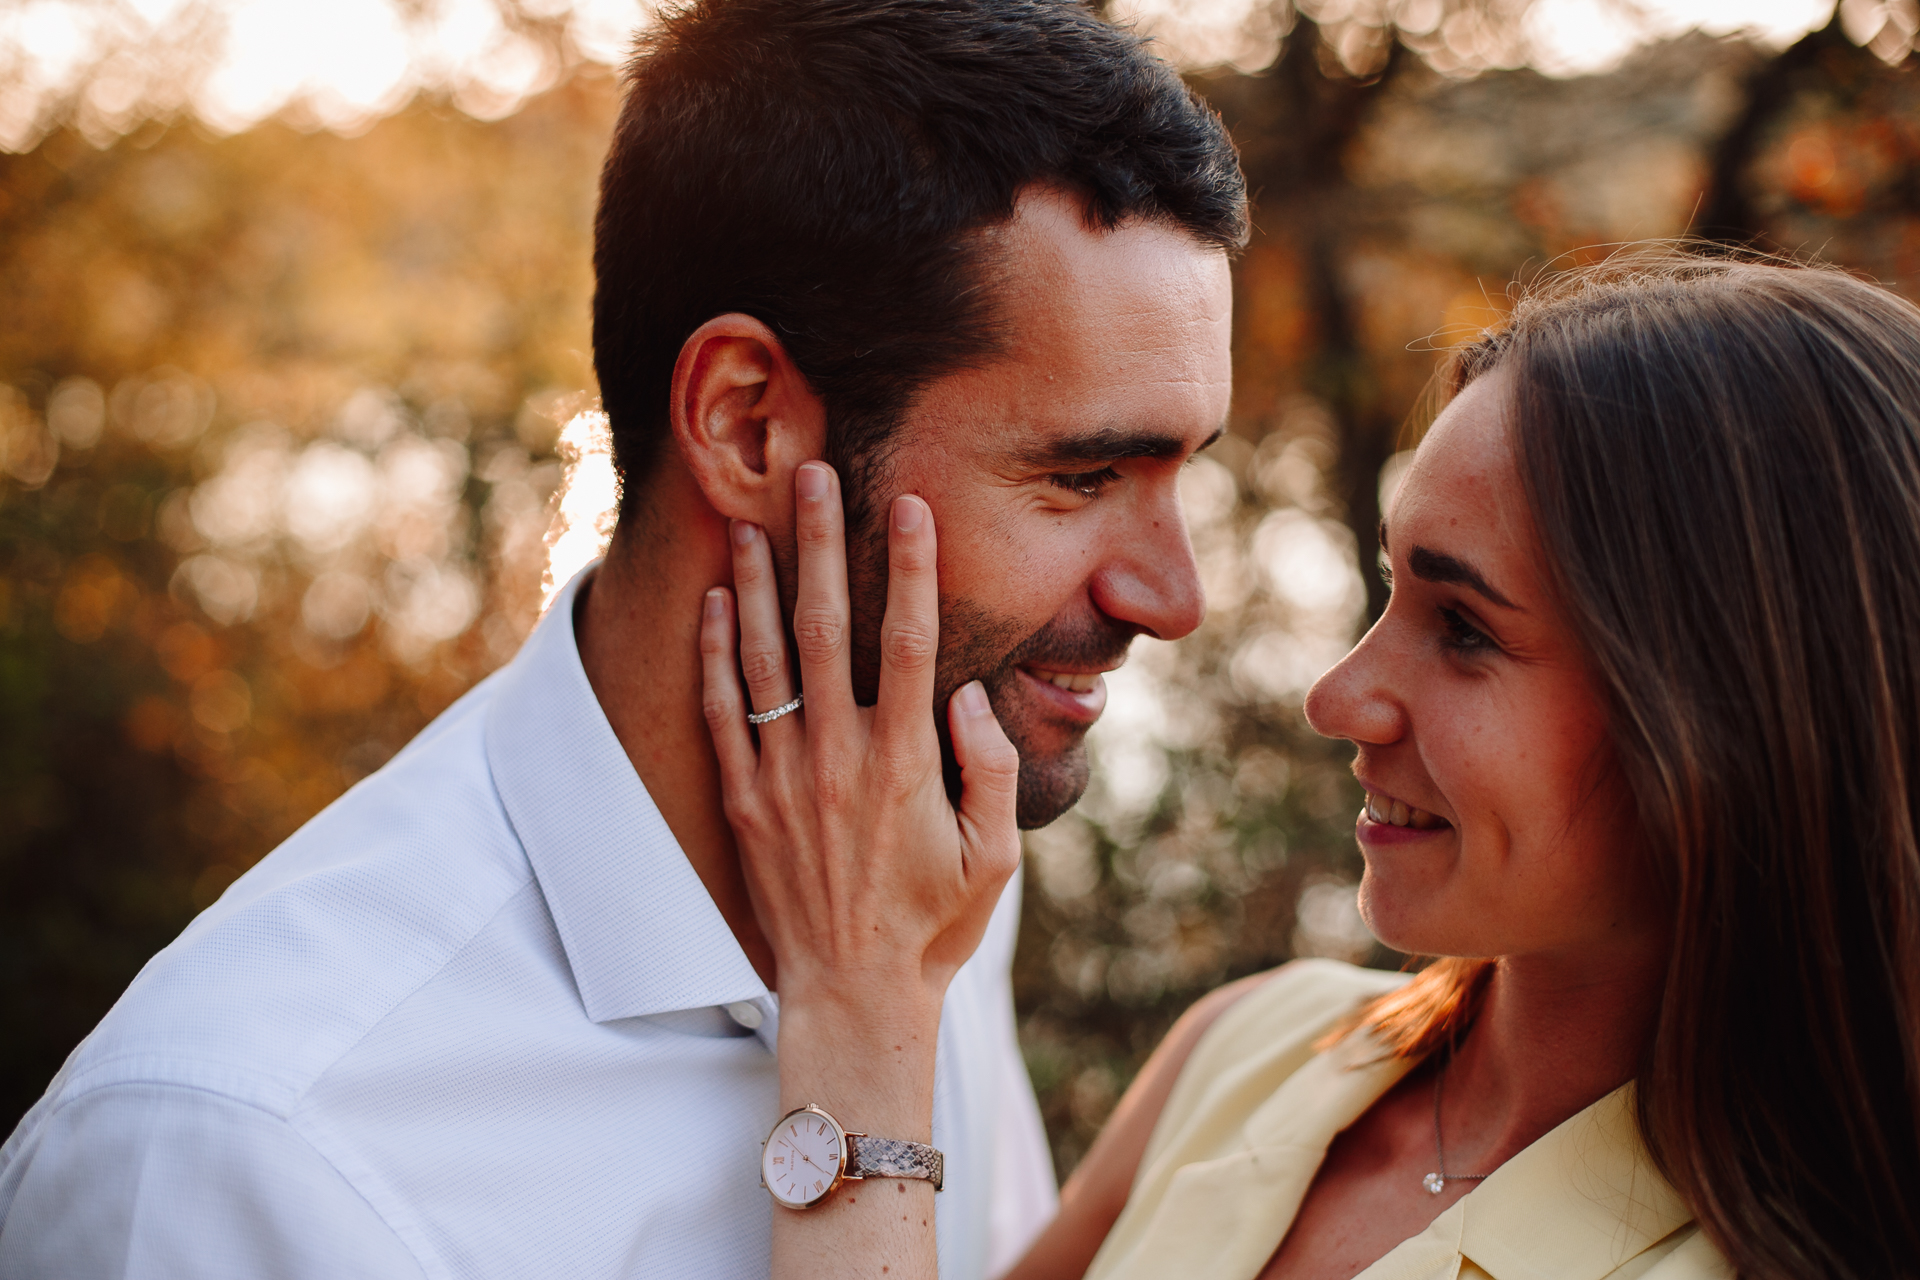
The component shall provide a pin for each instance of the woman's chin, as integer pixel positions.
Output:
(1408, 918)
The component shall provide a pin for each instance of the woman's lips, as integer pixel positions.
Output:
(1385, 821)
(1075, 695)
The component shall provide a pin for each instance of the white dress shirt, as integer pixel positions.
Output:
(478, 1018)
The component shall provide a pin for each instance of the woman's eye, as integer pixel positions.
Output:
(1086, 483)
(1462, 636)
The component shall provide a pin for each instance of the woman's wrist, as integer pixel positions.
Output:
(885, 989)
(869, 1063)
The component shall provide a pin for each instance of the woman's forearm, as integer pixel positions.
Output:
(872, 1069)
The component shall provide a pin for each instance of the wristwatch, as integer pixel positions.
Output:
(809, 1153)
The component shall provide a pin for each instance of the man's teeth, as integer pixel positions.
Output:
(1077, 681)
(1394, 813)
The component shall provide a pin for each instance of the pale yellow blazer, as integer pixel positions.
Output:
(1255, 1108)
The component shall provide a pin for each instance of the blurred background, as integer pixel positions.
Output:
(294, 358)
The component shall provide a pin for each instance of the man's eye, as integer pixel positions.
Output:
(1088, 483)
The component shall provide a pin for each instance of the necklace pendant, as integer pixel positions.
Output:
(1434, 1182)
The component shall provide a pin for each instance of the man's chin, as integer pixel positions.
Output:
(1049, 787)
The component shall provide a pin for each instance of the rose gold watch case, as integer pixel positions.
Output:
(840, 1175)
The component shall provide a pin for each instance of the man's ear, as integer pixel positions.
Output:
(744, 419)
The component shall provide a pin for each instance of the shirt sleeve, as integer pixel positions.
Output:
(142, 1181)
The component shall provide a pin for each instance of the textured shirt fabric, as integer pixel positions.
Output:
(1256, 1107)
(479, 1018)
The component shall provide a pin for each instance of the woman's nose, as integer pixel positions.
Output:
(1353, 700)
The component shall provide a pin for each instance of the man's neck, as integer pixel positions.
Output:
(639, 639)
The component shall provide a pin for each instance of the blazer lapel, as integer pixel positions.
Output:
(1223, 1218)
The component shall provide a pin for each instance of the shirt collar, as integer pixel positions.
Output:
(1608, 1201)
(1575, 1205)
(641, 933)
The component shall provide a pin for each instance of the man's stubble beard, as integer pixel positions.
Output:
(977, 645)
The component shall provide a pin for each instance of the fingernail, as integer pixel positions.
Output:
(973, 699)
(811, 482)
(716, 603)
(907, 514)
(743, 532)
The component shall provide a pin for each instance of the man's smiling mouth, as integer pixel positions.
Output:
(1396, 813)
(1072, 681)
(1074, 697)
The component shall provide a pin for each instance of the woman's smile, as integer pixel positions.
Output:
(1386, 822)
(1385, 809)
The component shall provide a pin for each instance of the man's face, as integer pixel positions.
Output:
(1052, 476)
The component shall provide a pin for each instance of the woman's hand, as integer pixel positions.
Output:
(872, 888)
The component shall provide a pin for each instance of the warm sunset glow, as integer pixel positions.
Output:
(1561, 37)
(587, 505)
(108, 64)
(339, 65)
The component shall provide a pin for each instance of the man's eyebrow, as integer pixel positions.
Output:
(1104, 445)
(1437, 566)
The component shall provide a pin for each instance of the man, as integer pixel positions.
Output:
(505, 1009)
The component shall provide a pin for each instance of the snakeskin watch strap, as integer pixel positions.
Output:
(891, 1158)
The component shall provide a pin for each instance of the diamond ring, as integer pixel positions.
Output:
(768, 717)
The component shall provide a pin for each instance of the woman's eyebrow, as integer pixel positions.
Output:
(1437, 566)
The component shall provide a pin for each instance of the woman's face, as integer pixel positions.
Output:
(1496, 823)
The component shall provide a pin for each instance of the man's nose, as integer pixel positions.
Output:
(1151, 580)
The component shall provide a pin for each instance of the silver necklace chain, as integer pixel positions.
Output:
(1437, 1181)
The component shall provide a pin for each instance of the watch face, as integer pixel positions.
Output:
(802, 1159)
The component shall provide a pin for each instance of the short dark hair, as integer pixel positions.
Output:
(821, 165)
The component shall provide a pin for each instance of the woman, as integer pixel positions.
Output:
(1638, 730)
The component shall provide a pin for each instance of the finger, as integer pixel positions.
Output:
(989, 783)
(821, 616)
(763, 644)
(721, 697)
(910, 633)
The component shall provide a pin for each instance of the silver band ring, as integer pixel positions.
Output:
(768, 717)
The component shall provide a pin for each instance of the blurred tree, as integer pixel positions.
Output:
(277, 451)
(1845, 57)
(1339, 61)
(106, 67)
(1297, 121)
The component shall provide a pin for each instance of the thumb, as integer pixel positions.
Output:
(989, 783)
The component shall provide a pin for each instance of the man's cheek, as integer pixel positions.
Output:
(1026, 569)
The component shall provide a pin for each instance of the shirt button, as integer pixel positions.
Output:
(746, 1013)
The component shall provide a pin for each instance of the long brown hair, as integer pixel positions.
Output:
(1723, 463)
